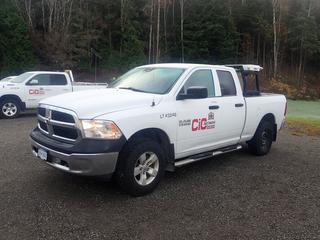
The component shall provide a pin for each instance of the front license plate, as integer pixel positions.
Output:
(42, 154)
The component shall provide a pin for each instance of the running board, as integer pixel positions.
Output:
(207, 155)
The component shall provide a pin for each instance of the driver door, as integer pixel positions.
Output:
(196, 122)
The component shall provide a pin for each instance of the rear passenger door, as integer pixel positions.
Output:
(42, 86)
(58, 85)
(230, 116)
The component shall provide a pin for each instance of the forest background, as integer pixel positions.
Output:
(100, 39)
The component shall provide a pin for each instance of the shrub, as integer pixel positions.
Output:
(304, 93)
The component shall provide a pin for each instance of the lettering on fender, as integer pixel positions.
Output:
(168, 115)
(183, 123)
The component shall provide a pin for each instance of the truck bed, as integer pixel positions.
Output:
(82, 86)
(259, 106)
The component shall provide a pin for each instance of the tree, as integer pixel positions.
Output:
(281, 35)
(304, 39)
(16, 52)
(182, 28)
(158, 32)
(275, 22)
(150, 30)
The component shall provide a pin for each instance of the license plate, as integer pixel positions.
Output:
(42, 154)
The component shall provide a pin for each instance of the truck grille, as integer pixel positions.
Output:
(58, 124)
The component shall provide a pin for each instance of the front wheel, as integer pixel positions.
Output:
(10, 108)
(261, 143)
(141, 167)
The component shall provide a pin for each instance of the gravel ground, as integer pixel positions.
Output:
(234, 196)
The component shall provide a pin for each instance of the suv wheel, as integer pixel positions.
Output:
(262, 140)
(9, 108)
(141, 167)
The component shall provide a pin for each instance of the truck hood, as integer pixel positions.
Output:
(8, 85)
(90, 104)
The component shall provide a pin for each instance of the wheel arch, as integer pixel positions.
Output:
(161, 137)
(269, 117)
(16, 98)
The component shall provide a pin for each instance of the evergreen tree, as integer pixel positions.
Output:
(16, 52)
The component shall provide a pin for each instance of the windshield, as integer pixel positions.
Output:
(149, 80)
(21, 78)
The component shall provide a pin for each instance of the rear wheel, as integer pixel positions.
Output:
(262, 140)
(9, 108)
(141, 167)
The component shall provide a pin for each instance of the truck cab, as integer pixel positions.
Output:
(28, 89)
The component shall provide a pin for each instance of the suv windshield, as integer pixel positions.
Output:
(149, 80)
(21, 78)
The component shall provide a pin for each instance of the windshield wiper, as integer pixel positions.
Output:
(133, 89)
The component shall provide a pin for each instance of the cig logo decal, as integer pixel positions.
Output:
(36, 91)
(201, 124)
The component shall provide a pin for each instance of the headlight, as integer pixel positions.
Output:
(100, 129)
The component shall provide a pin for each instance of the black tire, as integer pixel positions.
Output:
(261, 143)
(128, 160)
(16, 108)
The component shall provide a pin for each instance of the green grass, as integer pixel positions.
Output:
(304, 111)
(304, 117)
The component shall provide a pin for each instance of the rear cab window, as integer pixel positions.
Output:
(58, 80)
(227, 85)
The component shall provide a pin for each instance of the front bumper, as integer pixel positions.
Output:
(97, 164)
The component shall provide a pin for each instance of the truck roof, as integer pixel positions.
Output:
(176, 65)
(247, 67)
(47, 72)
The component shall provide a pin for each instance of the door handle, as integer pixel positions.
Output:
(214, 107)
(239, 105)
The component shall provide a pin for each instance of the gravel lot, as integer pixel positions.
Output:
(234, 196)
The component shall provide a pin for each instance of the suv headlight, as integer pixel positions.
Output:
(100, 129)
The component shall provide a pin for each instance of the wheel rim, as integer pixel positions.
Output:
(9, 109)
(146, 168)
(265, 139)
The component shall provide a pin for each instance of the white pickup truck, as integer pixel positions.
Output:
(156, 118)
(26, 90)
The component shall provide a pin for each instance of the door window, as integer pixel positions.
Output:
(48, 80)
(227, 85)
(200, 78)
(40, 80)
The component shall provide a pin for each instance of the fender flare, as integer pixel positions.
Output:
(270, 118)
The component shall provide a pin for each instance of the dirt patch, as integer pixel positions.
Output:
(301, 127)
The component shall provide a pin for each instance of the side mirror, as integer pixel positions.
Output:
(34, 82)
(194, 93)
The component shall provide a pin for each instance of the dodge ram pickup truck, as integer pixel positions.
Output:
(156, 118)
(26, 90)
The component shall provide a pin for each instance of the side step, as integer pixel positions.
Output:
(206, 155)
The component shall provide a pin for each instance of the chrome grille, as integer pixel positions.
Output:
(58, 123)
